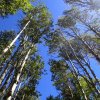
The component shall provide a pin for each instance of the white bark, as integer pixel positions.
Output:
(76, 76)
(8, 84)
(21, 85)
(5, 65)
(18, 76)
(12, 43)
(85, 70)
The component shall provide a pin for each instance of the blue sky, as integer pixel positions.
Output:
(56, 7)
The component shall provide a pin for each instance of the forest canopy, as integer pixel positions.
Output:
(72, 43)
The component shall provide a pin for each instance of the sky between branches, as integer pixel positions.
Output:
(56, 8)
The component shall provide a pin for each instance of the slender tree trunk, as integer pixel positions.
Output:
(12, 43)
(18, 76)
(76, 77)
(83, 67)
(10, 80)
(89, 48)
(20, 86)
(71, 92)
(89, 86)
(10, 59)
(89, 26)
(23, 97)
(5, 65)
(6, 77)
(92, 72)
(89, 67)
(5, 91)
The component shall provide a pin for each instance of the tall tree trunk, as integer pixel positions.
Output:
(88, 26)
(83, 67)
(5, 91)
(88, 47)
(76, 76)
(71, 92)
(18, 75)
(92, 72)
(6, 77)
(12, 79)
(89, 67)
(11, 58)
(5, 65)
(89, 86)
(12, 43)
(21, 85)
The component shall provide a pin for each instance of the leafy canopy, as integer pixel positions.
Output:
(12, 6)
